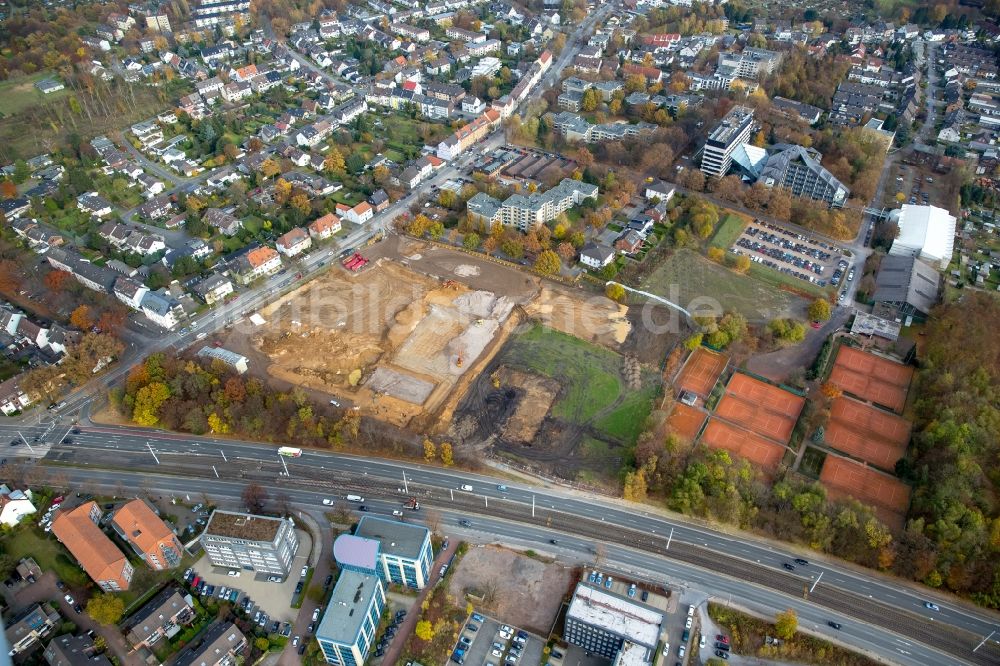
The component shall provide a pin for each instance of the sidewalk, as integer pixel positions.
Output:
(409, 624)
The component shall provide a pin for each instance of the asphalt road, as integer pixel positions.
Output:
(875, 610)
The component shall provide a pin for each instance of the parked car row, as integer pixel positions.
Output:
(802, 237)
(786, 244)
(781, 255)
(241, 602)
(788, 270)
(390, 633)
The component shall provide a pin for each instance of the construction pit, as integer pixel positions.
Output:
(390, 341)
(403, 346)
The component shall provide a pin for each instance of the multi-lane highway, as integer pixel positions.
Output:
(878, 613)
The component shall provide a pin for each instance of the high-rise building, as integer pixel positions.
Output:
(254, 543)
(731, 132)
(799, 170)
(613, 626)
(397, 552)
(347, 630)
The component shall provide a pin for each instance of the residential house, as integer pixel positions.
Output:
(130, 292)
(219, 646)
(213, 289)
(324, 227)
(255, 263)
(629, 242)
(163, 616)
(161, 309)
(93, 203)
(224, 222)
(379, 200)
(14, 505)
(358, 214)
(594, 255)
(29, 627)
(293, 242)
(12, 398)
(77, 529)
(149, 536)
(70, 650)
(661, 190)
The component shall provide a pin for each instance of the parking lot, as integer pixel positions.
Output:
(795, 254)
(271, 598)
(485, 641)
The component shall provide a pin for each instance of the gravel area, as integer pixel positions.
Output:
(526, 592)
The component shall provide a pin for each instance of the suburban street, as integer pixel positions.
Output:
(886, 614)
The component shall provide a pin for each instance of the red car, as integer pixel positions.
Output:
(722, 639)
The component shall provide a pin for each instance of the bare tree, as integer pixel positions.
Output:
(254, 497)
(283, 503)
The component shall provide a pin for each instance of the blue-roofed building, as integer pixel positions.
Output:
(354, 553)
(347, 630)
(404, 553)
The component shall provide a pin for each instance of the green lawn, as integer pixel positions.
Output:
(626, 421)
(686, 276)
(728, 231)
(779, 279)
(21, 93)
(50, 555)
(588, 373)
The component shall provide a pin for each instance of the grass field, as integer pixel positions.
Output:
(592, 391)
(588, 373)
(729, 230)
(627, 419)
(30, 542)
(30, 129)
(21, 93)
(687, 276)
(779, 279)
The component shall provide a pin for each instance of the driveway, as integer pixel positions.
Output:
(44, 589)
(320, 561)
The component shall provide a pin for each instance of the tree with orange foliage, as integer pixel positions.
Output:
(81, 318)
(8, 190)
(56, 280)
(831, 391)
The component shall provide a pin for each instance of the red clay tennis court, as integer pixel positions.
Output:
(760, 407)
(701, 371)
(867, 433)
(762, 452)
(871, 377)
(686, 421)
(844, 478)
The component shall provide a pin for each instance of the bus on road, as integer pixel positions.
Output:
(289, 451)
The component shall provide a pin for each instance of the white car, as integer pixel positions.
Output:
(691, 610)
(69, 599)
(505, 635)
(701, 643)
(496, 653)
(666, 649)
(687, 623)
(327, 502)
(234, 573)
(305, 570)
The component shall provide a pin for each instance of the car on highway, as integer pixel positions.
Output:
(502, 488)
(788, 566)
(801, 562)
(931, 606)
(327, 501)
(465, 523)
(466, 487)
(835, 625)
